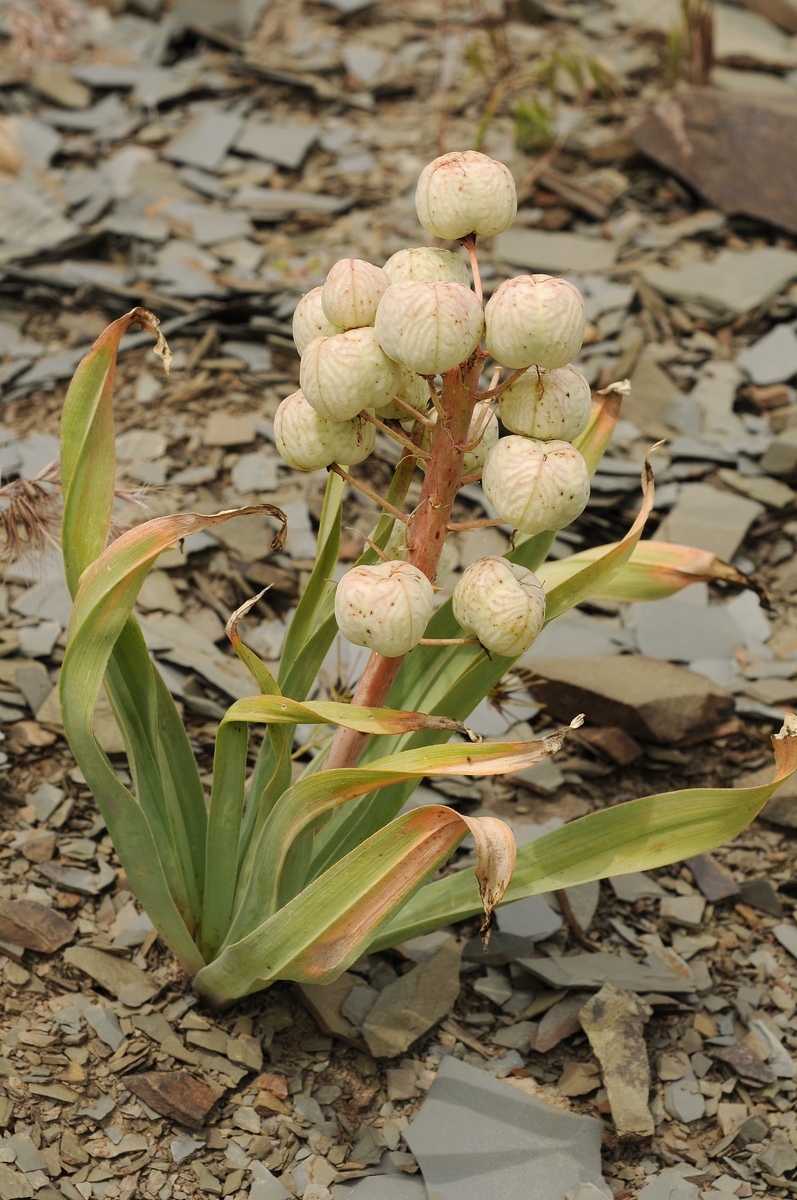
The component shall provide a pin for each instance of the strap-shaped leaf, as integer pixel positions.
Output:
(101, 615)
(261, 889)
(654, 571)
(324, 929)
(637, 836)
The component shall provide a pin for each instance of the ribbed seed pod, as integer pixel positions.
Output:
(352, 291)
(342, 375)
(386, 607)
(547, 405)
(427, 265)
(500, 603)
(535, 320)
(535, 486)
(465, 192)
(429, 327)
(310, 320)
(307, 441)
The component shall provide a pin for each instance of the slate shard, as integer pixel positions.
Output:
(477, 1137)
(614, 1021)
(34, 926)
(174, 1094)
(733, 149)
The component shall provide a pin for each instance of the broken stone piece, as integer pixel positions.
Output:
(578, 1079)
(724, 145)
(116, 975)
(709, 519)
(683, 910)
(413, 1003)
(324, 1001)
(174, 1094)
(34, 926)
(475, 1136)
(635, 885)
(595, 970)
(613, 1021)
(652, 700)
(559, 1022)
(715, 881)
(742, 1060)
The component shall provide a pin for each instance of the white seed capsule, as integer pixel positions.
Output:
(500, 603)
(427, 265)
(310, 321)
(464, 193)
(352, 291)
(413, 390)
(386, 607)
(547, 405)
(307, 441)
(535, 320)
(535, 486)
(429, 327)
(396, 547)
(480, 426)
(342, 375)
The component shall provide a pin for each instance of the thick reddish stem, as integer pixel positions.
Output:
(426, 534)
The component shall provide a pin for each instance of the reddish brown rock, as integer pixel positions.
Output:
(735, 149)
(26, 923)
(174, 1094)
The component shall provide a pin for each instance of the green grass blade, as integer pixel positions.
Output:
(224, 828)
(306, 618)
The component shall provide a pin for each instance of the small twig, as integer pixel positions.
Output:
(470, 243)
(461, 526)
(496, 391)
(441, 412)
(367, 491)
(401, 438)
(385, 557)
(449, 642)
(474, 478)
(413, 412)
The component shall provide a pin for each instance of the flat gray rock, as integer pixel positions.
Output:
(678, 630)
(477, 1137)
(735, 281)
(573, 635)
(595, 970)
(530, 918)
(205, 140)
(634, 886)
(787, 936)
(285, 143)
(380, 1187)
(105, 1024)
(710, 519)
(542, 251)
(773, 358)
(669, 1186)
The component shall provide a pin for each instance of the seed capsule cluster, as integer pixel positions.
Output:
(373, 339)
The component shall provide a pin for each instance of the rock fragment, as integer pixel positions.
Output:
(614, 1022)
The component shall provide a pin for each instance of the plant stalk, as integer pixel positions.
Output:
(427, 528)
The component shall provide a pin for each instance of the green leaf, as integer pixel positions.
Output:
(100, 623)
(654, 571)
(637, 836)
